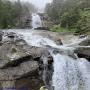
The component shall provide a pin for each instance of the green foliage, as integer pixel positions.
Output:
(57, 28)
(70, 18)
(70, 14)
(12, 13)
(83, 24)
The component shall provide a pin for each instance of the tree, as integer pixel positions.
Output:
(12, 14)
(83, 24)
(70, 13)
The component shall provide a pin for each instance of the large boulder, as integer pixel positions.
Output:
(24, 76)
(12, 54)
(20, 71)
(42, 28)
(83, 52)
(22, 65)
(85, 42)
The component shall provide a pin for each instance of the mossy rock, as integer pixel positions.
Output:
(13, 50)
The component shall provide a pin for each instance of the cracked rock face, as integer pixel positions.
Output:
(20, 64)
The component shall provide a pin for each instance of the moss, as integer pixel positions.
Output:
(13, 50)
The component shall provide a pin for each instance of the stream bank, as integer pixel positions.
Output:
(35, 56)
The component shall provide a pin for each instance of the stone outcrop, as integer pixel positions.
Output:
(22, 65)
(86, 42)
(83, 52)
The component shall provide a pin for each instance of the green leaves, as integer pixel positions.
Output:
(12, 14)
(71, 14)
(83, 24)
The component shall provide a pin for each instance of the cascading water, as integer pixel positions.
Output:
(69, 73)
(36, 21)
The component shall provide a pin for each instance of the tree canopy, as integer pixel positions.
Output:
(70, 13)
(11, 12)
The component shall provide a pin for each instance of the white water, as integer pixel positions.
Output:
(69, 73)
(36, 21)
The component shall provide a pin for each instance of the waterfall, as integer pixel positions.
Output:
(36, 21)
(69, 73)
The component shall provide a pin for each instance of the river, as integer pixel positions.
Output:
(69, 73)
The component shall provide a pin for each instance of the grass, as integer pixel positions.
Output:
(57, 28)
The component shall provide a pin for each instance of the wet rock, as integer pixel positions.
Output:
(29, 83)
(83, 52)
(22, 64)
(17, 74)
(67, 52)
(58, 42)
(82, 36)
(11, 34)
(20, 42)
(11, 37)
(42, 28)
(12, 55)
(25, 69)
(86, 42)
(38, 52)
(1, 35)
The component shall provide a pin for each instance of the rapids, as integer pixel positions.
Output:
(69, 73)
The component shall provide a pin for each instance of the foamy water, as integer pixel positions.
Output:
(69, 73)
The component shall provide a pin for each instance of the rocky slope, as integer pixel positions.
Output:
(29, 67)
(22, 65)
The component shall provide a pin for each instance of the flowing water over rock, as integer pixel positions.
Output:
(36, 21)
(69, 73)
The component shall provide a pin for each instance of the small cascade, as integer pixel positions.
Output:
(69, 73)
(36, 21)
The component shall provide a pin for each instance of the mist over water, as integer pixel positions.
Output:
(39, 4)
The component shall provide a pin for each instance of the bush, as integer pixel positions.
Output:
(57, 28)
(83, 25)
(70, 18)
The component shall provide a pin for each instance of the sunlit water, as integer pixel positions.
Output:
(69, 73)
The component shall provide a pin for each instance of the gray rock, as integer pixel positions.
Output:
(24, 69)
(1, 34)
(39, 52)
(83, 52)
(86, 42)
(12, 54)
(58, 42)
(19, 60)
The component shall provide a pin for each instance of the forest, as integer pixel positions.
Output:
(69, 15)
(66, 15)
(13, 14)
